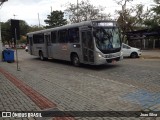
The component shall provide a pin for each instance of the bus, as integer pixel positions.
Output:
(92, 42)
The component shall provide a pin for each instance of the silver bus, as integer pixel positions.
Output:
(89, 42)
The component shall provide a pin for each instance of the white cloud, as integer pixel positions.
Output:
(28, 9)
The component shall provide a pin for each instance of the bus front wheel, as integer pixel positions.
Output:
(41, 55)
(75, 60)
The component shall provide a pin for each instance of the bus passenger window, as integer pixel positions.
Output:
(38, 38)
(53, 37)
(73, 35)
(63, 38)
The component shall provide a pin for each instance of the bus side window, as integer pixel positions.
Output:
(30, 41)
(73, 35)
(90, 41)
(53, 37)
(62, 36)
(38, 38)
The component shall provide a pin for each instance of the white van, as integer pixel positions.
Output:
(129, 51)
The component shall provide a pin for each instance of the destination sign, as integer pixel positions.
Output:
(107, 24)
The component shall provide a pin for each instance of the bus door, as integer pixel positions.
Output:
(30, 39)
(48, 45)
(87, 46)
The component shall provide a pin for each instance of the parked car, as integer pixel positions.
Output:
(26, 48)
(129, 51)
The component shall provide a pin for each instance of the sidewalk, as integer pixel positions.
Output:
(16, 96)
(151, 54)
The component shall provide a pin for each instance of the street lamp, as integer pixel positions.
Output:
(1, 3)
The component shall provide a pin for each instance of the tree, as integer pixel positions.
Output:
(55, 19)
(153, 20)
(6, 31)
(35, 28)
(130, 19)
(85, 11)
(24, 27)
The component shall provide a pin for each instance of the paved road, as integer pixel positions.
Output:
(131, 84)
(151, 53)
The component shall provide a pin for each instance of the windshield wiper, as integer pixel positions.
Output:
(103, 38)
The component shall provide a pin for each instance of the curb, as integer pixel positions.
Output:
(150, 57)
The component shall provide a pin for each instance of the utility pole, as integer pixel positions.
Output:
(124, 19)
(51, 9)
(1, 3)
(77, 12)
(14, 16)
(39, 20)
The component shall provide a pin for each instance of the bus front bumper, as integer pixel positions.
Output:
(108, 58)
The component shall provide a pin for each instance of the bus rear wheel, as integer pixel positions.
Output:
(75, 60)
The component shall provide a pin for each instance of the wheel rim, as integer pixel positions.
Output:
(134, 55)
(41, 56)
(76, 60)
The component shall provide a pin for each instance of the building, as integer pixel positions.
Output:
(144, 39)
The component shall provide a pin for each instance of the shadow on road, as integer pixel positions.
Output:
(91, 67)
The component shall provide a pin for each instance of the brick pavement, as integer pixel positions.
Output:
(13, 99)
(71, 90)
(21, 104)
(18, 96)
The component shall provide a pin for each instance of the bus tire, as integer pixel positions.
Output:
(75, 60)
(41, 56)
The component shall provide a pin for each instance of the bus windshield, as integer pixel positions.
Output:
(107, 38)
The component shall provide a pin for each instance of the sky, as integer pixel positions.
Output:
(28, 10)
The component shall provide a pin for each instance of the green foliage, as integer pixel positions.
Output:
(130, 18)
(153, 20)
(55, 19)
(6, 31)
(35, 28)
(24, 27)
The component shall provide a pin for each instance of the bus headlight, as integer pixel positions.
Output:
(121, 53)
(100, 55)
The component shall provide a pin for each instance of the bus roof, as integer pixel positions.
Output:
(84, 23)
